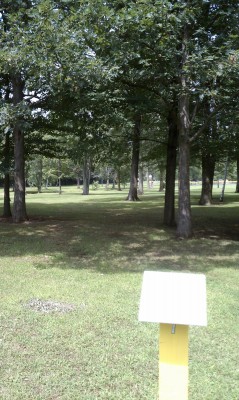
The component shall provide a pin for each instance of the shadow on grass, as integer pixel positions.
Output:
(123, 237)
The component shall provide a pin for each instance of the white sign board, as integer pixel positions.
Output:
(174, 298)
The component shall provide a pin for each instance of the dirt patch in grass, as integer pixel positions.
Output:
(49, 306)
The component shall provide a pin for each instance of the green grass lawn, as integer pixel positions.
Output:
(90, 252)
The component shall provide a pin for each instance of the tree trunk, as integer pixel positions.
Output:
(7, 164)
(113, 183)
(169, 202)
(208, 159)
(6, 205)
(237, 184)
(19, 208)
(184, 227)
(224, 181)
(161, 178)
(59, 176)
(208, 168)
(39, 174)
(107, 178)
(141, 180)
(133, 194)
(119, 180)
(147, 177)
(86, 176)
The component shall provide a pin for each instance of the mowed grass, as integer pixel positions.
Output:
(90, 252)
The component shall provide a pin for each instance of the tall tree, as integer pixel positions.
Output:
(133, 189)
(19, 208)
(171, 163)
(202, 41)
(7, 147)
(15, 79)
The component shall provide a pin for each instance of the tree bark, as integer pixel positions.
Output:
(147, 177)
(133, 191)
(237, 184)
(208, 168)
(184, 226)
(141, 180)
(78, 182)
(113, 182)
(86, 176)
(19, 208)
(39, 174)
(224, 180)
(161, 178)
(6, 205)
(169, 202)
(7, 156)
(59, 176)
(119, 180)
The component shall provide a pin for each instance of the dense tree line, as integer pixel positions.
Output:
(108, 83)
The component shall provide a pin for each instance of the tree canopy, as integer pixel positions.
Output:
(75, 76)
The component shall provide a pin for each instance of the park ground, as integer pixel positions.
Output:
(70, 287)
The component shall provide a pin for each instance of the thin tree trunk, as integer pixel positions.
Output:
(107, 178)
(141, 180)
(7, 163)
(208, 159)
(133, 193)
(19, 208)
(147, 177)
(237, 184)
(6, 205)
(169, 202)
(59, 175)
(184, 226)
(224, 181)
(208, 168)
(39, 174)
(161, 178)
(86, 176)
(119, 180)
(113, 183)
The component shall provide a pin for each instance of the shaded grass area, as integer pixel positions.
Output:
(91, 251)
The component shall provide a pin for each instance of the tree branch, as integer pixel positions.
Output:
(204, 126)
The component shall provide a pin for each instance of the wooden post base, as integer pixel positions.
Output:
(173, 362)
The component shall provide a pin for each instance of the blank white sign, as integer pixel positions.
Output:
(174, 298)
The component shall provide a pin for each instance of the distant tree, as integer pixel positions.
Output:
(133, 188)
(35, 173)
(86, 174)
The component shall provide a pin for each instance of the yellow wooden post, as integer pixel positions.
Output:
(175, 300)
(173, 362)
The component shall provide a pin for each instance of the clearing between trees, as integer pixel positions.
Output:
(70, 287)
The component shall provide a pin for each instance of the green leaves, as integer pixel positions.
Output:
(88, 65)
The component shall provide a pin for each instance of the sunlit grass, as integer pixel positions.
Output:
(91, 251)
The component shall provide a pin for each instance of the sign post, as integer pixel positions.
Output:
(175, 300)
